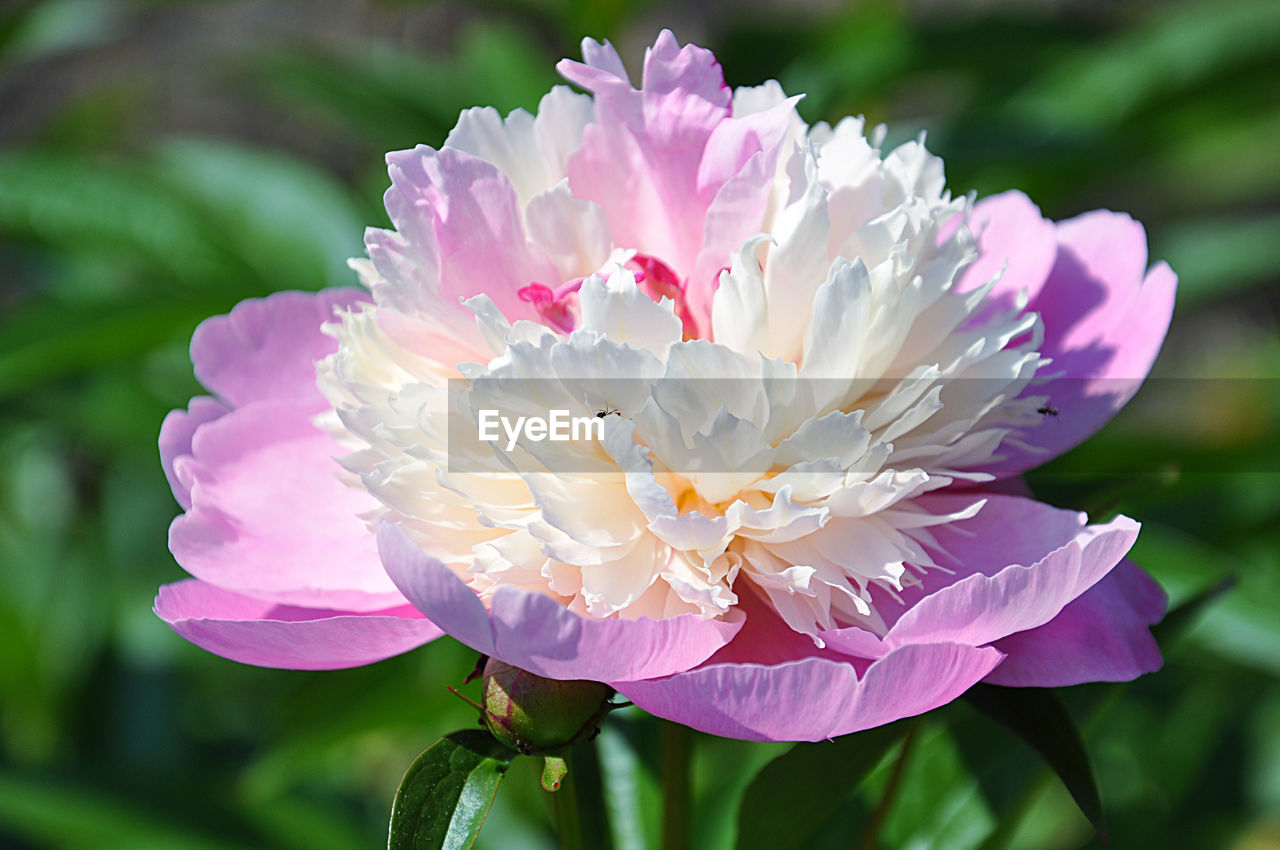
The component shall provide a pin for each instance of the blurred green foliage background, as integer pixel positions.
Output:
(160, 161)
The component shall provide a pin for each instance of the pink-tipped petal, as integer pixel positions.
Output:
(1104, 323)
(794, 701)
(915, 679)
(270, 516)
(1014, 241)
(993, 592)
(741, 159)
(252, 631)
(640, 160)
(1103, 636)
(175, 441)
(267, 348)
(602, 73)
(460, 232)
(535, 633)
(600, 57)
(690, 71)
(813, 698)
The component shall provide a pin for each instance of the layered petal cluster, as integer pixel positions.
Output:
(813, 375)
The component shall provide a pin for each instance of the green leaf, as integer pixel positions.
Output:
(1181, 618)
(632, 797)
(1168, 54)
(77, 202)
(939, 800)
(784, 806)
(288, 220)
(446, 794)
(1241, 626)
(63, 814)
(50, 342)
(390, 98)
(723, 768)
(1038, 716)
(58, 26)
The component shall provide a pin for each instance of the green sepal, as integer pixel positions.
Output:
(554, 769)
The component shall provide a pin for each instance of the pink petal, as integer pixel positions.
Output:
(1009, 529)
(735, 141)
(640, 160)
(1104, 324)
(1103, 636)
(1015, 242)
(270, 517)
(741, 159)
(1003, 582)
(434, 590)
(765, 638)
(460, 232)
(252, 631)
(534, 632)
(813, 698)
(855, 642)
(267, 348)
(175, 441)
(689, 71)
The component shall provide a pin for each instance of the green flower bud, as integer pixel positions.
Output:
(531, 714)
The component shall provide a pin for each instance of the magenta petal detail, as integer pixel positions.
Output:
(813, 698)
(1103, 636)
(252, 631)
(536, 633)
(1008, 529)
(435, 591)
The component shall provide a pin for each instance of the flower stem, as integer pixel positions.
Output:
(872, 834)
(677, 757)
(565, 805)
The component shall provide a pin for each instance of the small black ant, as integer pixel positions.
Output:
(607, 411)
(1047, 410)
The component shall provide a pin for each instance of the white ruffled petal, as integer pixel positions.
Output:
(616, 308)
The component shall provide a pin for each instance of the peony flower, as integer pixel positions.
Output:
(817, 377)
